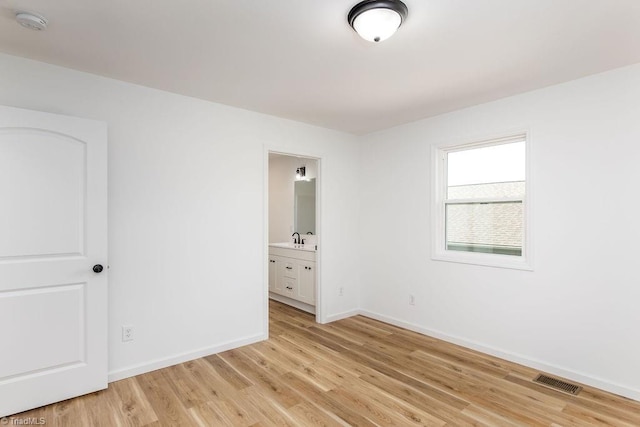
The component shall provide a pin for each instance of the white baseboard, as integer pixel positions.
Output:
(516, 358)
(343, 315)
(153, 365)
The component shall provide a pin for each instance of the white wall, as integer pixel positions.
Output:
(186, 184)
(282, 175)
(577, 313)
(186, 211)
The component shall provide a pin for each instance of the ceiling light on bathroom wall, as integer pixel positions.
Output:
(377, 20)
(31, 21)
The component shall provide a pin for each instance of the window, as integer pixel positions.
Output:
(480, 203)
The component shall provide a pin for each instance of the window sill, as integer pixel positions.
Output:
(486, 260)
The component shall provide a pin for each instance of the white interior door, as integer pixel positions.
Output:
(53, 230)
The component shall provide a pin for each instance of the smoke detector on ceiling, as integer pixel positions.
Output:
(31, 21)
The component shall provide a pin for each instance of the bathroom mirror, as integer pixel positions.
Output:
(304, 206)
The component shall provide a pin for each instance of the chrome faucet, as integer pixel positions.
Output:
(298, 240)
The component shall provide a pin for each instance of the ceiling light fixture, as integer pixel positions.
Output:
(301, 173)
(31, 21)
(377, 20)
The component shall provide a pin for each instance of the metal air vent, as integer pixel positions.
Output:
(557, 384)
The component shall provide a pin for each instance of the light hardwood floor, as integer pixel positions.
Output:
(355, 371)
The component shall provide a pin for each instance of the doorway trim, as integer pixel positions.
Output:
(293, 152)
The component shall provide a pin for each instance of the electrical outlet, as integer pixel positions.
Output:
(341, 291)
(127, 333)
(412, 300)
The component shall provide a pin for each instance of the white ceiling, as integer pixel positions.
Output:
(299, 59)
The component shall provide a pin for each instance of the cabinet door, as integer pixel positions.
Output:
(281, 273)
(272, 274)
(306, 289)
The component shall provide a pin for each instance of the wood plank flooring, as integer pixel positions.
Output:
(355, 371)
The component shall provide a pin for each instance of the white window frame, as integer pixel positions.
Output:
(439, 202)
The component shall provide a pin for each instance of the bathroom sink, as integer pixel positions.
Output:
(289, 245)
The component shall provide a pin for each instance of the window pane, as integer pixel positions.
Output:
(485, 227)
(487, 172)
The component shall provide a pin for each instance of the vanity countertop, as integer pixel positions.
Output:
(289, 245)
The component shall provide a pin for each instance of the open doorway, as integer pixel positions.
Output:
(293, 231)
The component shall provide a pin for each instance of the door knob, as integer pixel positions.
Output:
(98, 268)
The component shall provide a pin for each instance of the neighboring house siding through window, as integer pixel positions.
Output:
(505, 228)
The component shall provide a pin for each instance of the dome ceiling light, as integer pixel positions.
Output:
(377, 20)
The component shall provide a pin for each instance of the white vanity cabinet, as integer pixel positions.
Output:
(292, 274)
